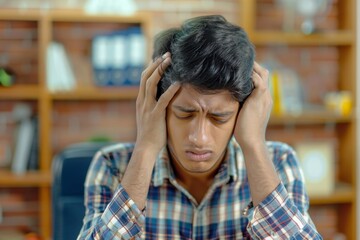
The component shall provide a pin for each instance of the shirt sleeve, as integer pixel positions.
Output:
(110, 213)
(283, 214)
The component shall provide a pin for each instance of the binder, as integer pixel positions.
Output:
(33, 162)
(118, 58)
(286, 90)
(100, 59)
(24, 140)
(137, 55)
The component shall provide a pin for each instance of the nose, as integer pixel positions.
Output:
(199, 132)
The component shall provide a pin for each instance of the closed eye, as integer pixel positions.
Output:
(182, 112)
(183, 116)
(220, 120)
(221, 117)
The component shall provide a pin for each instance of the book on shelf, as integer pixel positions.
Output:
(124, 7)
(59, 73)
(285, 87)
(33, 161)
(118, 58)
(24, 137)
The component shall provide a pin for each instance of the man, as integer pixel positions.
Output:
(200, 167)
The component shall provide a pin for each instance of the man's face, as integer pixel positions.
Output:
(199, 127)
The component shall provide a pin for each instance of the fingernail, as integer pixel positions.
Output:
(165, 55)
(166, 61)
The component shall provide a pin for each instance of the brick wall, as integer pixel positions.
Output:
(18, 50)
(19, 209)
(75, 122)
(271, 16)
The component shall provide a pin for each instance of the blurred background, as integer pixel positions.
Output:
(69, 72)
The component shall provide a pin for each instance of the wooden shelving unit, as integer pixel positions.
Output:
(47, 25)
(343, 39)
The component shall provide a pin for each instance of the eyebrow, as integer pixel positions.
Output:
(191, 110)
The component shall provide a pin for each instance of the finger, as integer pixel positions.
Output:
(262, 73)
(256, 78)
(259, 82)
(152, 82)
(148, 72)
(257, 67)
(166, 97)
(145, 76)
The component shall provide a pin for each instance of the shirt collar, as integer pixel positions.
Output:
(232, 168)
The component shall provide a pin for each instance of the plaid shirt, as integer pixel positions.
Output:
(171, 212)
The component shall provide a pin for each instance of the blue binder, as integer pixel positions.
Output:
(100, 59)
(118, 58)
(137, 55)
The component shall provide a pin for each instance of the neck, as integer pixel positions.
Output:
(189, 178)
(196, 183)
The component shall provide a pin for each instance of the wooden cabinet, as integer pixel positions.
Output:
(334, 46)
(74, 30)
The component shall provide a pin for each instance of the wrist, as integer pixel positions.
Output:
(145, 152)
(253, 144)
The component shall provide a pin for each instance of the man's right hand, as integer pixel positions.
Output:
(151, 130)
(150, 114)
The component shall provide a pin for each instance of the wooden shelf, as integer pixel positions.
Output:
(343, 193)
(81, 16)
(28, 179)
(338, 38)
(19, 15)
(309, 118)
(69, 15)
(18, 92)
(98, 93)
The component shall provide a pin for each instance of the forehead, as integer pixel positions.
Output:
(190, 97)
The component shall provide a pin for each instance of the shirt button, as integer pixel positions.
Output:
(274, 235)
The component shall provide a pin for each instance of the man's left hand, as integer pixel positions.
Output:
(254, 115)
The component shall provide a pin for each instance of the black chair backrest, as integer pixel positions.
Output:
(69, 169)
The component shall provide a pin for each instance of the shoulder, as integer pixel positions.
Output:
(117, 150)
(113, 158)
(285, 161)
(280, 151)
(281, 154)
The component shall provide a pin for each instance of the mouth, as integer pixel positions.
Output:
(198, 156)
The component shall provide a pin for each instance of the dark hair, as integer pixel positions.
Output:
(210, 54)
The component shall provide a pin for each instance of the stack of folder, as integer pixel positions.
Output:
(118, 58)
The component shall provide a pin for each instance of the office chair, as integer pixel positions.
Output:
(69, 169)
